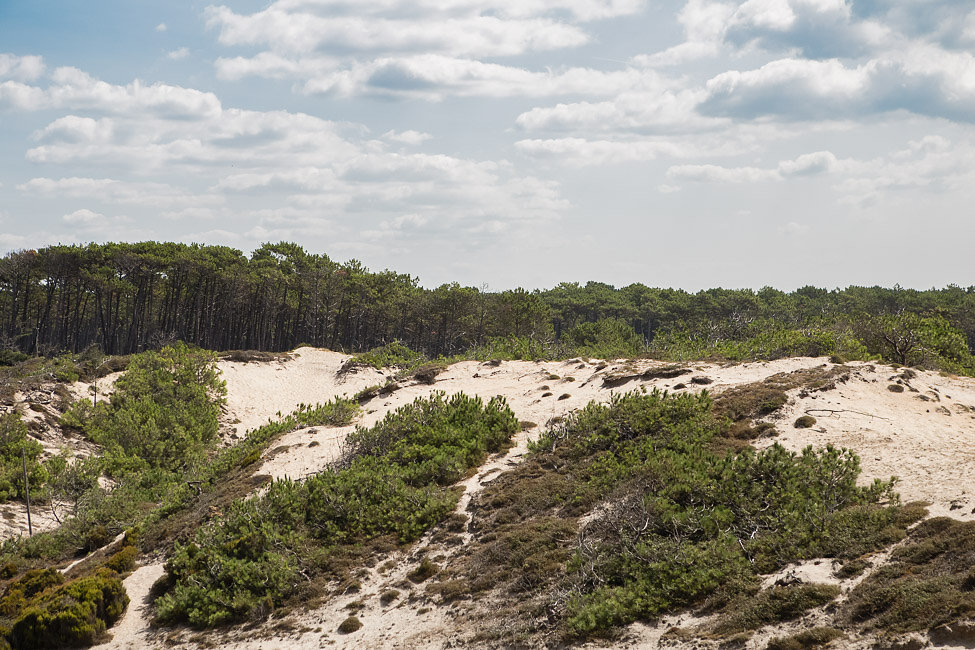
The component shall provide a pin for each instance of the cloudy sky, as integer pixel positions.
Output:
(684, 143)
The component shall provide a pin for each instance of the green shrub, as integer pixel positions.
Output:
(774, 605)
(926, 584)
(608, 338)
(74, 614)
(424, 571)
(680, 520)
(804, 422)
(10, 357)
(20, 592)
(124, 560)
(14, 442)
(391, 355)
(350, 625)
(391, 482)
(162, 414)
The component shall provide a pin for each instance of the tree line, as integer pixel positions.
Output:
(126, 298)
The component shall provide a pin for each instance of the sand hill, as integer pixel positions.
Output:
(919, 426)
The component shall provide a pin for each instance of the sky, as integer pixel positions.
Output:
(505, 143)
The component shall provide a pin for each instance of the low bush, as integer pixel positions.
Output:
(72, 614)
(675, 519)
(350, 625)
(424, 571)
(16, 447)
(804, 422)
(391, 355)
(124, 560)
(392, 481)
(774, 605)
(926, 584)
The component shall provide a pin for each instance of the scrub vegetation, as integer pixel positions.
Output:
(628, 510)
(161, 470)
(391, 485)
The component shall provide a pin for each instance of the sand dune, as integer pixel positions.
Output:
(923, 431)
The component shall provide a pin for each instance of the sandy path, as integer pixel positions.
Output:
(132, 632)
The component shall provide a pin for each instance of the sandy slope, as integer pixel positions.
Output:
(925, 435)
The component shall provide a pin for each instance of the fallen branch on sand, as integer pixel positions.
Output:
(834, 411)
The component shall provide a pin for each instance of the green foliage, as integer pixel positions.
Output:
(124, 560)
(927, 583)
(424, 571)
(804, 422)
(76, 613)
(162, 414)
(350, 625)
(609, 338)
(20, 592)
(391, 355)
(774, 605)
(392, 481)
(761, 340)
(913, 339)
(14, 442)
(677, 521)
(10, 357)
(513, 348)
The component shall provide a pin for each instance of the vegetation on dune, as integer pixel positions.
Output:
(16, 449)
(162, 414)
(392, 482)
(672, 519)
(928, 584)
(159, 432)
(42, 609)
(126, 298)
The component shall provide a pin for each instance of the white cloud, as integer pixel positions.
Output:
(794, 229)
(580, 152)
(930, 164)
(718, 174)
(21, 68)
(161, 27)
(820, 162)
(73, 89)
(432, 76)
(287, 174)
(73, 128)
(658, 109)
(421, 49)
(811, 164)
(86, 218)
(925, 80)
(473, 34)
(408, 137)
(114, 191)
(178, 54)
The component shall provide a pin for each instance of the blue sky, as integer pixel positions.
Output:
(505, 143)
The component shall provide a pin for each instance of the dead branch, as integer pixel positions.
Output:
(834, 411)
